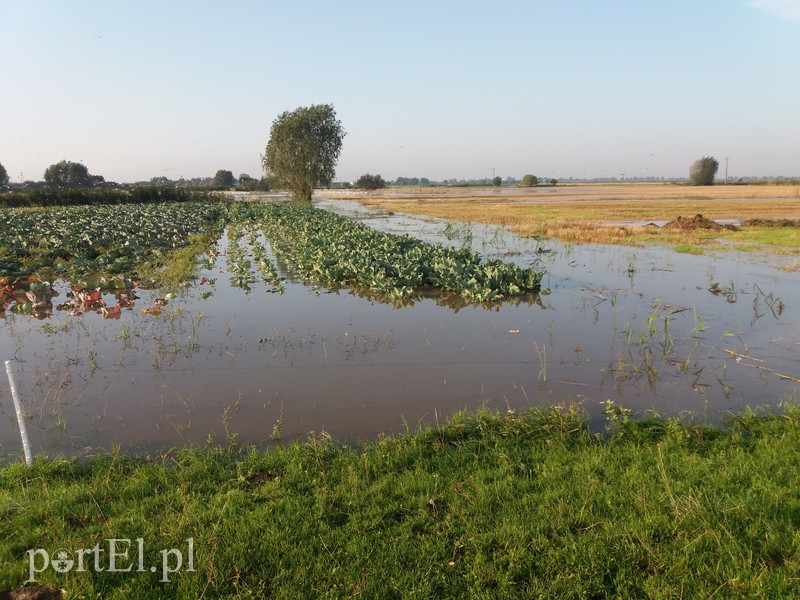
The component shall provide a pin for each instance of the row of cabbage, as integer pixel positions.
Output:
(325, 248)
(318, 246)
(112, 239)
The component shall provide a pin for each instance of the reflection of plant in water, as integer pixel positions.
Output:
(630, 269)
(363, 344)
(460, 232)
(498, 239)
(649, 350)
(351, 344)
(774, 304)
(728, 291)
(541, 353)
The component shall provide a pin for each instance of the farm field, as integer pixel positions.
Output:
(402, 374)
(283, 330)
(573, 212)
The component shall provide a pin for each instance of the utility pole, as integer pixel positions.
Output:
(726, 168)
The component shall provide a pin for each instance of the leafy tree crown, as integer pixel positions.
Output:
(303, 149)
(70, 174)
(370, 182)
(223, 178)
(703, 171)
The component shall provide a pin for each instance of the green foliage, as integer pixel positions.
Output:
(253, 185)
(703, 171)
(67, 174)
(488, 505)
(325, 248)
(412, 181)
(223, 179)
(370, 182)
(529, 180)
(75, 240)
(303, 149)
(3, 175)
(497, 181)
(146, 194)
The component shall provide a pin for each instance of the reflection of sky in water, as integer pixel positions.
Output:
(237, 362)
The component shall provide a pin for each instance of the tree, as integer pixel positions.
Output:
(3, 175)
(303, 148)
(530, 180)
(69, 174)
(248, 184)
(370, 182)
(223, 178)
(703, 171)
(497, 181)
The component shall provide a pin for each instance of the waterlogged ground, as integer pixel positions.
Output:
(649, 329)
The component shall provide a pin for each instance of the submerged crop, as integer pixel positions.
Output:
(325, 248)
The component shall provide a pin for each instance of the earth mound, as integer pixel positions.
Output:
(698, 222)
(771, 223)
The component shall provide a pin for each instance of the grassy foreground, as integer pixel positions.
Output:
(490, 505)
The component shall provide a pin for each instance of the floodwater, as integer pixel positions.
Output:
(650, 329)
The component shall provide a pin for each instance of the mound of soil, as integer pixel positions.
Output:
(771, 223)
(698, 222)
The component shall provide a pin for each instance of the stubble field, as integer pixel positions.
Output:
(572, 212)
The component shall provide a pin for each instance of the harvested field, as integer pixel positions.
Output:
(574, 213)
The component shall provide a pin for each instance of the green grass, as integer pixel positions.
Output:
(490, 505)
(689, 249)
(181, 264)
(784, 237)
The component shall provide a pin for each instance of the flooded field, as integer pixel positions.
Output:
(649, 329)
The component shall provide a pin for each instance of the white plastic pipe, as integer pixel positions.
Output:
(23, 432)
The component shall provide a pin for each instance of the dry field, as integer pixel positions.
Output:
(607, 213)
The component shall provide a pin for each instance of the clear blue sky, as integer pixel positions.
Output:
(435, 89)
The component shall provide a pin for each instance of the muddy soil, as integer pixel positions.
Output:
(698, 222)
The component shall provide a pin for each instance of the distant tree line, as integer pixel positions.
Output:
(74, 196)
(412, 181)
(70, 175)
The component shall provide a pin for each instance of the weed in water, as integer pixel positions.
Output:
(277, 428)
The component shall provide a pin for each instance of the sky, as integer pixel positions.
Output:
(437, 88)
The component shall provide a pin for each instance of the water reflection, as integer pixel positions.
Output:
(248, 346)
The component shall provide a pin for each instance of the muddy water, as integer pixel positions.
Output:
(650, 329)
